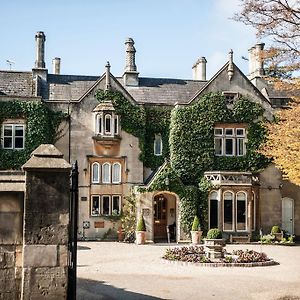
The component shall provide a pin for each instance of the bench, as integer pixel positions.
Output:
(239, 239)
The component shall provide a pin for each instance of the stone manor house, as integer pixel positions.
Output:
(109, 157)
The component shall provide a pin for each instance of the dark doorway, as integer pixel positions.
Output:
(160, 218)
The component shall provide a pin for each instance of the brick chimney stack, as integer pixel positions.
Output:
(130, 75)
(40, 39)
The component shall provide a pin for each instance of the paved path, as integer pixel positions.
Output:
(127, 271)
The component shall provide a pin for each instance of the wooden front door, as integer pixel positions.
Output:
(160, 217)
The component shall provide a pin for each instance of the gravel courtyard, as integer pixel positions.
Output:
(112, 270)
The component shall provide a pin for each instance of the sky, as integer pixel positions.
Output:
(169, 35)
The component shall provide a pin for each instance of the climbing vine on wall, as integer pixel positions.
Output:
(142, 122)
(41, 125)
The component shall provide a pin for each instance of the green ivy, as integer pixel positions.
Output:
(41, 127)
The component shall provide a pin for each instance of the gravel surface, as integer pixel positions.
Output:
(112, 270)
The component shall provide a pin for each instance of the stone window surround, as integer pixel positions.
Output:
(157, 145)
(99, 198)
(222, 134)
(102, 173)
(107, 129)
(13, 123)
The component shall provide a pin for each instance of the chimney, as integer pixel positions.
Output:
(130, 75)
(199, 69)
(107, 77)
(56, 65)
(256, 62)
(40, 39)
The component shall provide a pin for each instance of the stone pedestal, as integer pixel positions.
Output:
(214, 248)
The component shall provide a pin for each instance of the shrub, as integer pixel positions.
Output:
(214, 233)
(141, 226)
(267, 239)
(275, 229)
(196, 224)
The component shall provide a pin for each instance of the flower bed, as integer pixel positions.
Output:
(196, 255)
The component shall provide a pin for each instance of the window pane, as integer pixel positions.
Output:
(19, 130)
(240, 149)
(19, 143)
(95, 172)
(100, 121)
(218, 131)
(105, 205)
(116, 205)
(116, 173)
(218, 146)
(7, 130)
(228, 131)
(116, 125)
(229, 146)
(107, 124)
(241, 212)
(7, 142)
(95, 205)
(213, 210)
(240, 132)
(228, 216)
(157, 145)
(106, 173)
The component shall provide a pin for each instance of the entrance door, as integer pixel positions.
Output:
(160, 217)
(288, 215)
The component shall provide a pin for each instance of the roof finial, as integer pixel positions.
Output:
(230, 65)
(107, 77)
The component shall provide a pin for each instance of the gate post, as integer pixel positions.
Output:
(46, 225)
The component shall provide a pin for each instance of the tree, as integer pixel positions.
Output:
(279, 21)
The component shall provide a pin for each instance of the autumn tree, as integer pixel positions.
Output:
(278, 21)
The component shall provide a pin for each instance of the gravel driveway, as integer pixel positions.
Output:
(112, 270)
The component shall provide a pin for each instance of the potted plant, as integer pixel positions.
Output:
(214, 243)
(140, 231)
(277, 232)
(196, 232)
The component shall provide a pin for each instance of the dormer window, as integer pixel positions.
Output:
(107, 124)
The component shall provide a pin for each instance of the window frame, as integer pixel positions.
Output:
(209, 207)
(233, 211)
(13, 136)
(99, 205)
(92, 172)
(157, 140)
(119, 173)
(112, 204)
(246, 211)
(104, 174)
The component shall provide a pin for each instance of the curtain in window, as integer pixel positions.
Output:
(116, 173)
(106, 173)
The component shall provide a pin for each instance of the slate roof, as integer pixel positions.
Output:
(164, 90)
(16, 83)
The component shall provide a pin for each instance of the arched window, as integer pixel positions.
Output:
(99, 124)
(116, 173)
(106, 173)
(228, 211)
(241, 211)
(95, 172)
(107, 124)
(213, 210)
(158, 145)
(116, 125)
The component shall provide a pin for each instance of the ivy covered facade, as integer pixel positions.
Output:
(172, 148)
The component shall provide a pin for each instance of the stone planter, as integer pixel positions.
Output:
(140, 237)
(196, 237)
(214, 248)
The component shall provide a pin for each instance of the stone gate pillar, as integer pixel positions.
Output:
(46, 219)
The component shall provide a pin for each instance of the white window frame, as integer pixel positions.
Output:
(236, 139)
(104, 174)
(99, 205)
(109, 205)
(218, 199)
(92, 171)
(115, 124)
(106, 132)
(13, 136)
(233, 210)
(157, 139)
(119, 179)
(246, 211)
(99, 124)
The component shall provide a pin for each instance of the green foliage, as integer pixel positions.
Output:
(142, 122)
(275, 229)
(41, 128)
(192, 137)
(214, 233)
(196, 224)
(128, 219)
(141, 226)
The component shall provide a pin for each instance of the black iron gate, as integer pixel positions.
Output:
(73, 233)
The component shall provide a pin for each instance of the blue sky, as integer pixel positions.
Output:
(169, 35)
